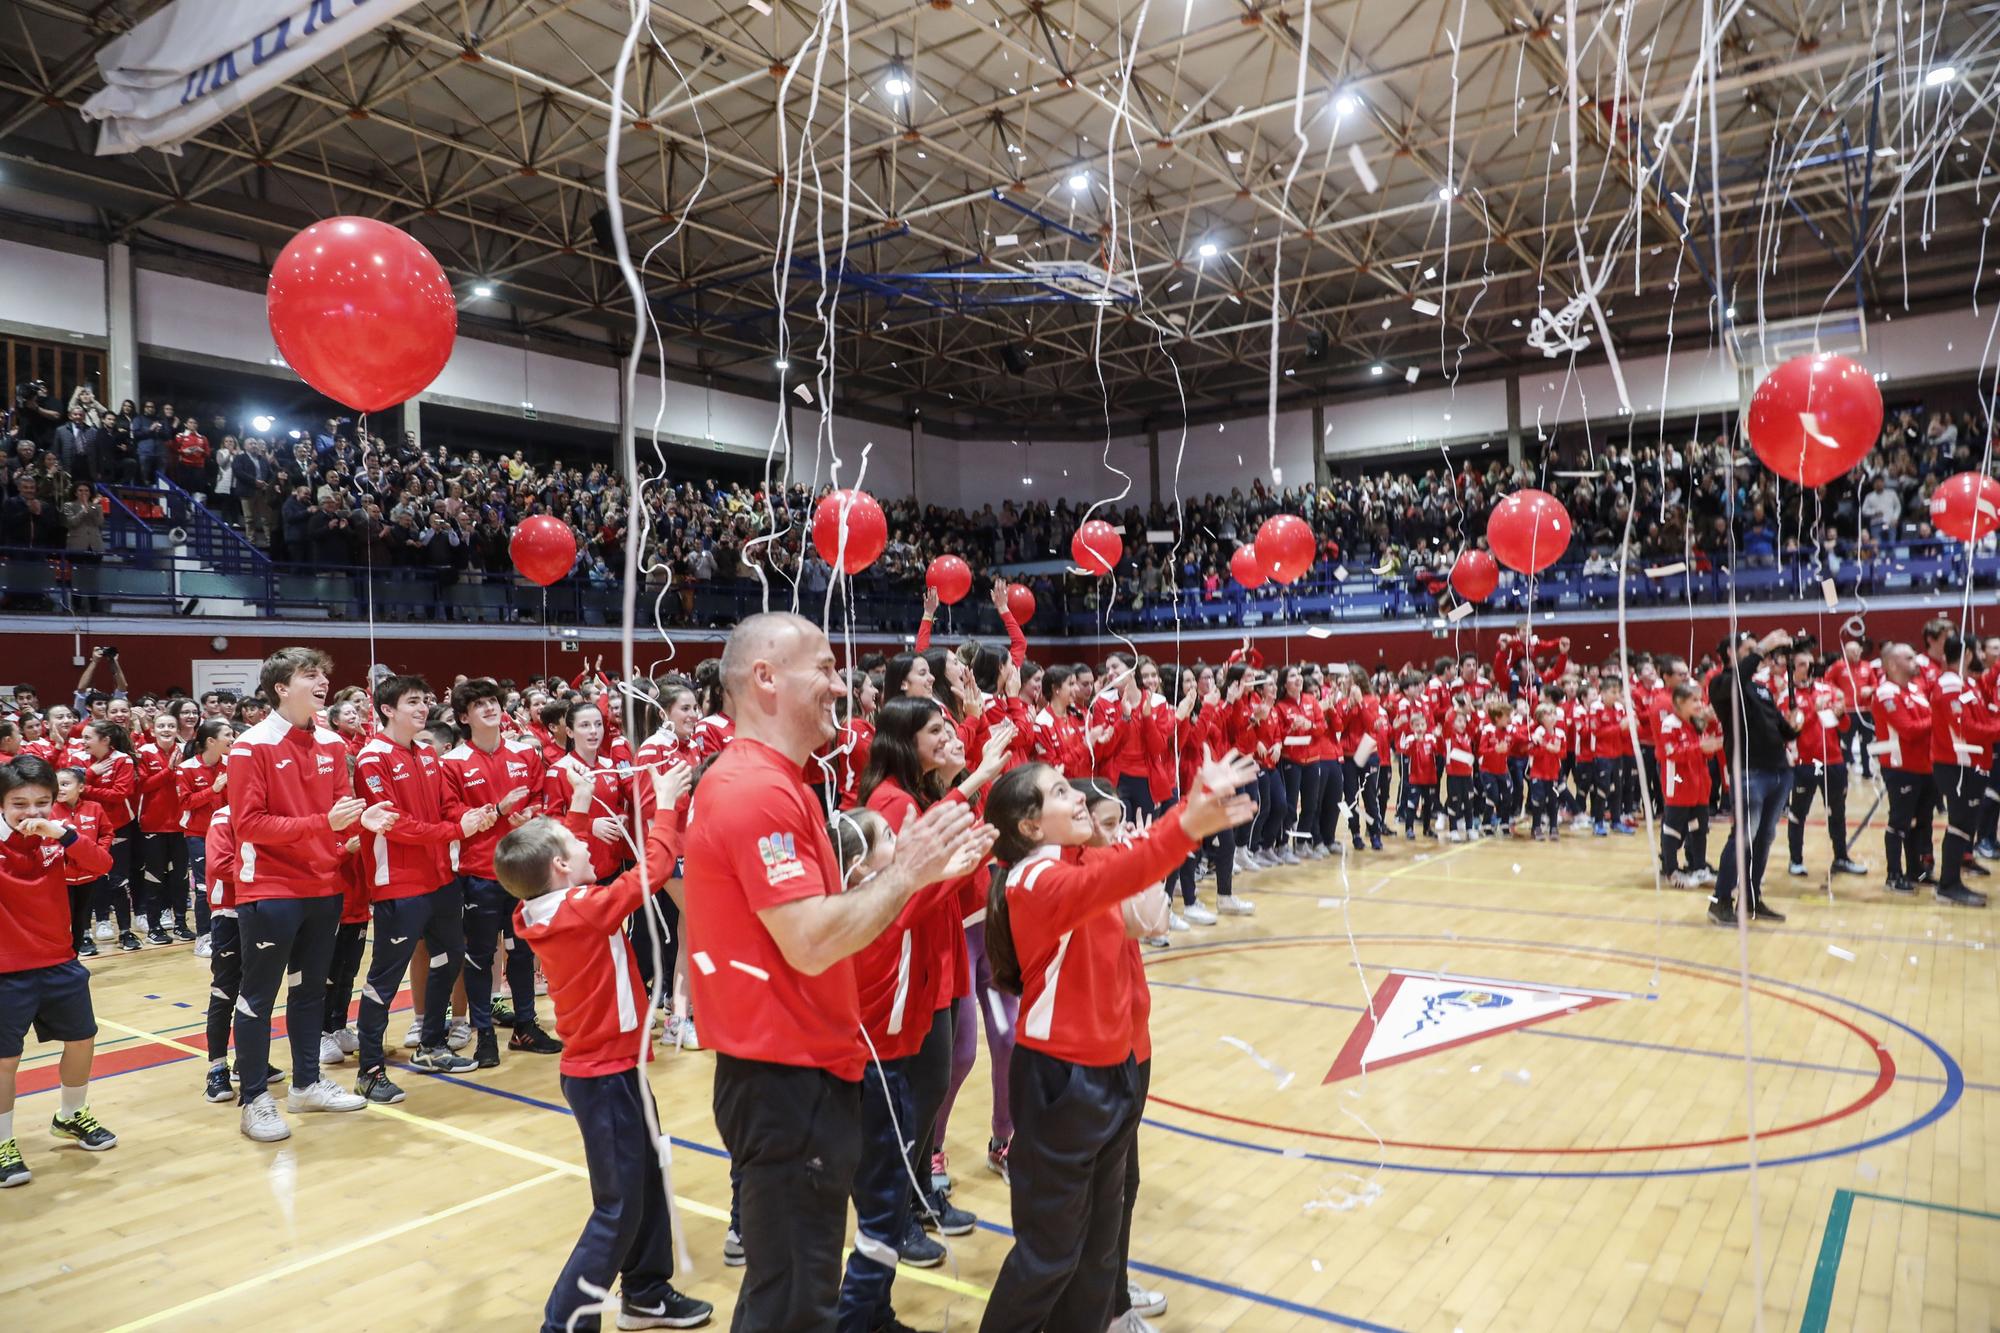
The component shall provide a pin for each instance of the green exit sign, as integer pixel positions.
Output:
(529, 414)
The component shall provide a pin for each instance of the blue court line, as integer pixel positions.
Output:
(1174, 1274)
(1559, 1035)
(1954, 1086)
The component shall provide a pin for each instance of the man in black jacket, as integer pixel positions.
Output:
(1756, 728)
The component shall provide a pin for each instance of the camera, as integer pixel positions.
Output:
(29, 391)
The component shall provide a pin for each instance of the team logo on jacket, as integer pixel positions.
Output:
(515, 770)
(781, 858)
(323, 764)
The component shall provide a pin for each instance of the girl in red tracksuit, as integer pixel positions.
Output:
(112, 780)
(87, 818)
(1059, 738)
(1684, 749)
(1459, 739)
(1327, 778)
(1293, 713)
(1548, 743)
(163, 873)
(604, 828)
(1420, 744)
(1494, 750)
(201, 783)
(1057, 932)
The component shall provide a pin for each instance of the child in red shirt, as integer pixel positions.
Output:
(1459, 738)
(1685, 744)
(1494, 749)
(1547, 744)
(88, 819)
(1420, 745)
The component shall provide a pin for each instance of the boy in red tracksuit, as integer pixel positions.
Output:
(577, 928)
(88, 819)
(1684, 748)
(1821, 766)
(1420, 744)
(1459, 738)
(411, 888)
(1547, 743)
(1617, 770)
(42, 985)
(1494, 751)
(1965, 727)
(1903, 723)
(161, 878)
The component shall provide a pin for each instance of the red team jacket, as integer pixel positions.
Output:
(416, 855)
(473, 778)
(34, 893)
(195, 783)
(282, 781)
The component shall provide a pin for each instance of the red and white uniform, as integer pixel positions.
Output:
(159, 795)
(853, 743)
(221, 866)
(283, 780)
(1683, 764)
(940, 933)
(417, 854)
(1460, 741)
(474, 777)
(610, 799)
(87, 818)
(1126, 750)
(1060, 743)
(34, 893)
(711, 734)
(1494, 748)
(1903, 726)
(1965, 725)
(116, 787)
(1825, 717)
(1547, 744)
(194, 783)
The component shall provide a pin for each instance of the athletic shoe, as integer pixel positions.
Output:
(329, 1051)
(84, 1130)
(415, 1036)
(1375, 841)
(349, 1043)
(503, 1014)
(1681, 879)
(1601, 829)
(486, 1050)
(1456, 835)
(1959, 895)
(1286, 856)
(13, 1167)
(458, 1034)
(217, 1087)
(87, 949)
(1131, 1322)
(158, 936)
(128, 941)
(918, 1250)
(1230, 905)
(141, 922)
(1335, 848)
(180, 932)
(1156, 941)
(1972, 867)
(261, 1122)
(273, 1076)
(1798, 869)
(940, 1174)
(1242, 865)
(1624, 827)
(533, 1040)
(1720, 915)
(1145, 1302)
(1899, 884)
(1706, 874)
(940, 1215)
(670, 1309)
(441, 1060)
(1175, 921)
(1764, 912)
(106, 932)
(1928, 875)
(1198, 914)
(1987, 851)
(732, 1250)
(374, 1086)
(323, 1095)
(996, 1158)
(202, 947)
(1849, 866)
(687, 1035)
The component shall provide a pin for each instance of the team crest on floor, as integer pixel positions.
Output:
(1419, 1013)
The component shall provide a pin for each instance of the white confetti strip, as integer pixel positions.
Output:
(1828, 591)
(1269, 1066)
(1662, 571)
(1459, 612)
(1410, 375)
(1318, 632)
(750, 968)
(1340, 573)
(1009, 239)
(1160, 536)
(760, 7)
(1362, 173)
(1840, 953)
(803, 394)
(705, 963)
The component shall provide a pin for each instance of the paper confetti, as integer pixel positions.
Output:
(1828, 591)
(1410, 375)
(1662, 571)
(1340, 573)
(1318, 632)
(1423, 307)
(760, 7)
(1269, 1066)
(803, 393)
(1361, 171)
(1459, 612)
(1840, 953)
(1011, 238)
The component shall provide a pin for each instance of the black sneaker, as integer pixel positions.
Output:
(940, 1215)
(158, 936)
(374, 1085)
(1764, 912)
(181, 933)
(87, 949)
(13, 1167)
(128, 941)
(1976, 870)
(217, 1089)
(84, 1130)
(1720, 915)
(1849, 866)
(1899, 884)
(1959, 894)
(503, 1014)
(486, 1050)
(670, 1309)
(441, 1060)
(1928, 875)
(918, 1250)
(530, 1038)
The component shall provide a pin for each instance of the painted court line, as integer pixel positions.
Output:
(1826, 1269)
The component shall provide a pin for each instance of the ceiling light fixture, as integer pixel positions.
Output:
(898, 82)
(1346, 104)
(1941, 75)
(1208, 249)
(482, 291)
(1080, 181)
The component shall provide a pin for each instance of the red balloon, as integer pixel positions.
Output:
(1966, 506)
(1475, 576)
(867, 530)
(951, 577)
(544, 549)
(1021, 602)
(1529, 531)
(361, 311)
(1815, 417)
(1097, 547)
(1285, 547)
(1245, 567)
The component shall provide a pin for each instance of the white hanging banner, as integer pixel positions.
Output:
(196, 61)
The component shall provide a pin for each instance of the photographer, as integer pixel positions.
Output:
(81, 698)
(35, 417)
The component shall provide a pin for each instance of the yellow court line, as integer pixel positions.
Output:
(340, 1251)
(556, 1164)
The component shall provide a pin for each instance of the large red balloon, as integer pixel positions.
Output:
(544, 549)
(951, 577)
(1246, 568)
(1966, 506)
(1285, 547)
(1815, 417)
(1475, 576)
(1097, 547)
(1529, 531)
(1021, 602)
(867, 530)
(361, 311)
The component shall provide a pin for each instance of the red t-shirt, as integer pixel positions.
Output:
(756, 839)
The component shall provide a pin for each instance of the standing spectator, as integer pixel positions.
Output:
(297, 516)
(329, 533)
(80, 447)
(35, 417)
(222, 491)
(256, 490)
(26, 519)
(188, 465)
(1755, 735)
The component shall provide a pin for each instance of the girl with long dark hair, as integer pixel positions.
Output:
(202, 780)
(112, 780)
(163, 863)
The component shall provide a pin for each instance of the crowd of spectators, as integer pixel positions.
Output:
(320, 498)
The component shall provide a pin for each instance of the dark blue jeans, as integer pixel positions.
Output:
(881, 1199)
(628, 1236)
(1765, 793)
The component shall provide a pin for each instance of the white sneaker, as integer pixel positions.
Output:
(329, 1051)
(1175, 921)
(105, 932)
(1130, 1322)
(415, 1036)
(1198, 915)
(141, 923)
(1286, 856)
(1145, 1302)
(1456, 835)
(1244, 866)
(458, 1034)
(1230, 905)
(325, 1095)
(262, 1123)
(688, 1039)
(202, 947)
(541, 983)
(348, 1042)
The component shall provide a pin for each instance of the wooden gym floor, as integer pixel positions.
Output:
(1585, 1171)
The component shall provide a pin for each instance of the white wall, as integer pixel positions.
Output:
(1696, 378)
(51, 289)
(203, 317)
(1223, 456)
(1397, 420)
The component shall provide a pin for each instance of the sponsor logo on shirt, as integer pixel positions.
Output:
(781, 858)
(515, 770)
(323, 764)
(282, 763)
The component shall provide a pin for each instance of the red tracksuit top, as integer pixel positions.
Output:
(895, 975)
(1547, 745)
(282, 782)
(1965, 725)
(1494, 748)
(117, 790)
(1126, 751)
(474, 778)
(194, 782)
(221, 868)
(711, 734)
(87, 818)
(1059, 743)
(572, 930)
(417, 853)
(159, 795)
(1076, 986)
(34, 893)
(1819, 740)
(610, 799)
(1903, 724)
(940, 931)
(1459, 741)
(1422, 747)
(1683, 763)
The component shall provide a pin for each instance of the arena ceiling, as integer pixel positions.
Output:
(1414, 179)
